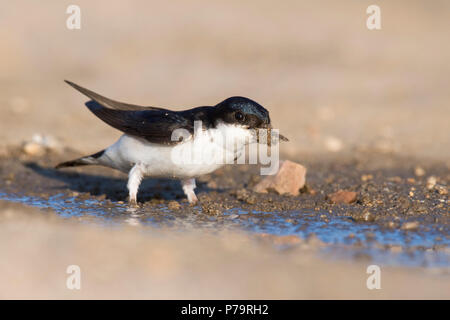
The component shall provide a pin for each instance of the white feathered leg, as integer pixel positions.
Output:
(134, 180)
(188, 186)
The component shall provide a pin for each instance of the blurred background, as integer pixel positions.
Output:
(329, 82)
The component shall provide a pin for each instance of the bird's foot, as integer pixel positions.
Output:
(192, 198)
(132, 202)
(134, 180)
(188, 186)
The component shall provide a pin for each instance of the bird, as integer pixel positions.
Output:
(161, 143)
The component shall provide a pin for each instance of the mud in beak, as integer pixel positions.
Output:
(264, 134)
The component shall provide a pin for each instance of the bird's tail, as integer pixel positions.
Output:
(83, 161)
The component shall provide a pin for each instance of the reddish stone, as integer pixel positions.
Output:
(289, 179)
(342, 196)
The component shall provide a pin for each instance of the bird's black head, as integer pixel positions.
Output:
(243, 111)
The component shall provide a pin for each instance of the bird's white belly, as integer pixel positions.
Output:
(190, 159)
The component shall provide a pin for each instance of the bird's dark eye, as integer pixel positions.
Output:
(239, 116)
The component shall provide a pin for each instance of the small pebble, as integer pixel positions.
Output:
(251, 200)
(174, 205)
(391, 224)
(431, 182)
(419, 171)
(33, 149)
(412, 225)
(442, 190)
(342, 196)
(368, 216)
(396, 179)
(396, 248)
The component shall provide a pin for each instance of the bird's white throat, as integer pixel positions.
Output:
(219, 145)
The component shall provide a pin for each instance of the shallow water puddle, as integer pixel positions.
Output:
(336, 230)
(347, 239)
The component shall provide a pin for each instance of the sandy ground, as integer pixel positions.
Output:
(332, 86)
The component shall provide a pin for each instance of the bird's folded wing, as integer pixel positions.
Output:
(109, 103)
(156, 126)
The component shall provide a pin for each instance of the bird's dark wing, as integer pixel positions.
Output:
(109, 103)
(155, 126)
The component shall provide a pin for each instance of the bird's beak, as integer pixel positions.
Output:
(283, 138)
(271, 138)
